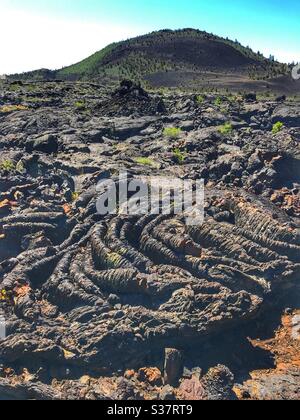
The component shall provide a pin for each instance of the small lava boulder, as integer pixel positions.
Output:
(46, 144)
(250, 97)
(289, 115)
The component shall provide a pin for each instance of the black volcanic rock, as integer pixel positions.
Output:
(45, 144)
(129, 88)
(250, 97)
(131, 99)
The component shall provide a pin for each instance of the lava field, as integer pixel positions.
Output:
(146, 306)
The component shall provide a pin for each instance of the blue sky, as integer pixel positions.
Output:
(55, 33)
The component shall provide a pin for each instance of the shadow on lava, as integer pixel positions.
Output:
(234, 351)
(234, 348)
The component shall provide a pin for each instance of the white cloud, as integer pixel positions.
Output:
(30, 41)
(284, 56)
(283, 53)
(288, 56)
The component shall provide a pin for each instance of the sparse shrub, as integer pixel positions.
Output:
(80, 105)
(75, 196)
(172, 132)
(3, 295)
(200, 99)
(226, 128)
(34, 99)
(237, 99)
(145, 161)
(14, 87)
(179, 156)
(11, 167)
(30, 88)
(277, 127)
(218, 101)
(20, 167)
(7, 166)
(12, 108)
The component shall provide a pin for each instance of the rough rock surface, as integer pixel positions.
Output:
(86, 296)
(283, 381)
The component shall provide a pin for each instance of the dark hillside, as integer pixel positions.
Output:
(184, 52)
